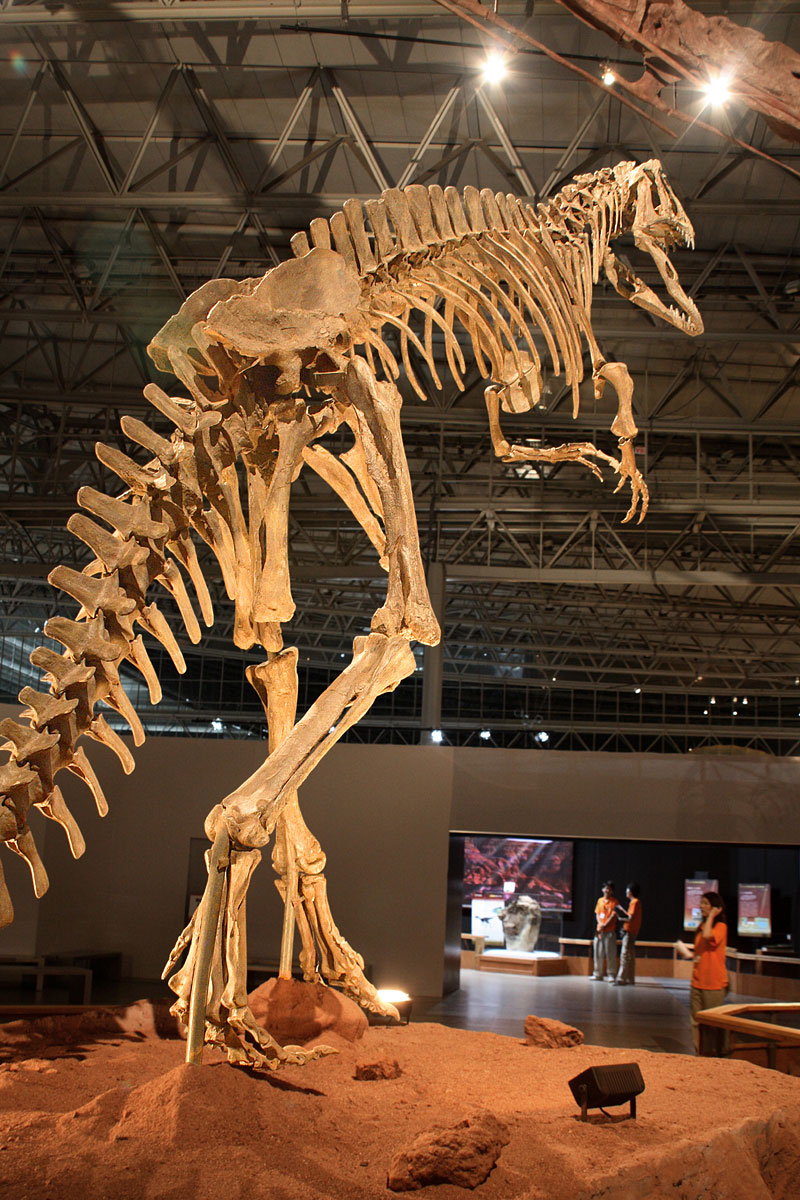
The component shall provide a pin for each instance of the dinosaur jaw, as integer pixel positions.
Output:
(682, 314)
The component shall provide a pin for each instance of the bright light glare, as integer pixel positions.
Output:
(542, 737)
(718, 90)
(392, 995)
(608, 77)
(436, 736)
(494, 69)
(486, 734)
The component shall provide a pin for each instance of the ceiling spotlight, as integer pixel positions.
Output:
(216, 725)
(607, 75)
(705, 712)
(637, 691)
(542, 737)
(713, 700)
(744, 700)
(717, 91)
(485, 734)
(436, 736)
(494, 69)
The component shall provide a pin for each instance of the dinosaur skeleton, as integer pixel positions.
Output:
(271, 366)
(677, 42)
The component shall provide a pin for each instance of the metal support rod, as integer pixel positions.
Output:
(287, 932)
(209, 919)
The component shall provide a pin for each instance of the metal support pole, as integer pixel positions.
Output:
(433, 660)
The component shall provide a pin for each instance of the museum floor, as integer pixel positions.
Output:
(653, 1015)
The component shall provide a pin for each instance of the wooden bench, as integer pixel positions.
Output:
(662, 961)
(12, 966)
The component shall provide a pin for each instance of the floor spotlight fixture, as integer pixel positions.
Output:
(401, 1000)
(606, 1087)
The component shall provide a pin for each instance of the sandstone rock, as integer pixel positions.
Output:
(295, 1012)
(462, 1154)
(540, 1031)
(384, 1068)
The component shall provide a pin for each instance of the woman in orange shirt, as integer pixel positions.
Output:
(630, 930)
(710, 976)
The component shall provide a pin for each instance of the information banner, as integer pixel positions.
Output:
(693, 890)
(755, 915)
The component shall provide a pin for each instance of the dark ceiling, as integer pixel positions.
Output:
(150, 146)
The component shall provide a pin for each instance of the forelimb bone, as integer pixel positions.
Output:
(377, 409)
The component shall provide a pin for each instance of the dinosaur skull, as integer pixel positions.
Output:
(657, 220)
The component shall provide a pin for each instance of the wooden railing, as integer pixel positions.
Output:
(753, 1035)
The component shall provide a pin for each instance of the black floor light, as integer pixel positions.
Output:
(605, 1087)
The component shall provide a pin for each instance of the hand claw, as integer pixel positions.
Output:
(298, 1056)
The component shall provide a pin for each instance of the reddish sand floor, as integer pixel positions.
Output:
(93, 1115)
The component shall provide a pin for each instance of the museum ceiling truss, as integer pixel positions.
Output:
(142, 156)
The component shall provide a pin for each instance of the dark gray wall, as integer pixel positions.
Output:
(383, 814)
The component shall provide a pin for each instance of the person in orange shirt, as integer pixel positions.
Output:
(630, 929)
(605, 940)
(710, 975)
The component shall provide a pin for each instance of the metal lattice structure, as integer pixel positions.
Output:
(152, 146)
